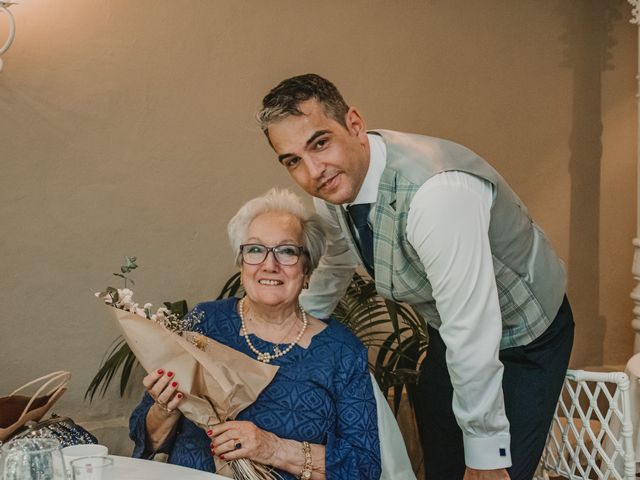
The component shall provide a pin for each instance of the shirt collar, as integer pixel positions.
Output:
(377, 162)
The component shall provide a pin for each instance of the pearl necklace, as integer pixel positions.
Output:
(266, 357)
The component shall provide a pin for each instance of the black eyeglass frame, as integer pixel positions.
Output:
(301, 251)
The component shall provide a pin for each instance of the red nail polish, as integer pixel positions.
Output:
(169, 374)
(179, 395)
(174, 384)
(221, 457)
(160, 371)
(210, 432)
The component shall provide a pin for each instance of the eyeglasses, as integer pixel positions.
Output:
(255, 253)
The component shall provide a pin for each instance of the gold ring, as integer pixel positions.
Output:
(167, 412)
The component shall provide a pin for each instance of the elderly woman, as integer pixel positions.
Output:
(317, 418)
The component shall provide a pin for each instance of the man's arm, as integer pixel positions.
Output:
(334, 273)
(448, 226)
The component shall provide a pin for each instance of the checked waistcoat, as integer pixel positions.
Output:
(530, 277)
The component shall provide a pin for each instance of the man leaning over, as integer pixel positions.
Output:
(438, 228)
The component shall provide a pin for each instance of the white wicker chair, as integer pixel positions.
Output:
(591, 433)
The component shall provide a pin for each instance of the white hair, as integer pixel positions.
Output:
(280, 200)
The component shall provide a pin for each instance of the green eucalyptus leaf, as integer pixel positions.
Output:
(130, 264)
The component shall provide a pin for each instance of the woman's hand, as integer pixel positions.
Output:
(163, 415)
(240, 439)
(163, 388)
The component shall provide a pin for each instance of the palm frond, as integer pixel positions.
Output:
(232, 288)
(129, 362)
(395, 330)
(119, 354)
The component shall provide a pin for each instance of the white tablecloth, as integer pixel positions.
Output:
(136, 469)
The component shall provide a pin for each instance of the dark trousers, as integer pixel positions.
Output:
(531, 384)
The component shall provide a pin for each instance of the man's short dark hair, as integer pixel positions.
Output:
(284, 99)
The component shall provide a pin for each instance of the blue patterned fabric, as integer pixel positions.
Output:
(321, 394)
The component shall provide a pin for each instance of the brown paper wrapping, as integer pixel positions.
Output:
(217, 381)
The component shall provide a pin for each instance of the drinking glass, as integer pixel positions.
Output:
(72, 452)
(33, 459)
(92, 468)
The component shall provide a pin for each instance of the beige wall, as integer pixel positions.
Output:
(126, 128)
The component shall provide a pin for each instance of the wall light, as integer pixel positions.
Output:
(4, 8)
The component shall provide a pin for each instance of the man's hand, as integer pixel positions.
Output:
(473, 474)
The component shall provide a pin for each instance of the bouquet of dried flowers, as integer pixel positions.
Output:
(169, 339)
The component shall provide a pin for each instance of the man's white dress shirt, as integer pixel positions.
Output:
(447, 225)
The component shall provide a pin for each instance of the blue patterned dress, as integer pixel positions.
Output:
(321, 394)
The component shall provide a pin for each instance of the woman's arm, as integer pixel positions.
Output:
(163, 415)
(353, 449)
(160, 424)
(153, 422)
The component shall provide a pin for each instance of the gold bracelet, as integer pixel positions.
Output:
(307, 468)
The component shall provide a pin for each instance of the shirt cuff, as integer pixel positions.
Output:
(487, 453)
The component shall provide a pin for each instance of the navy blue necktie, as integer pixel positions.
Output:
(360, 218)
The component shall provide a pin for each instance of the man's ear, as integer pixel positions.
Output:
(355, 122)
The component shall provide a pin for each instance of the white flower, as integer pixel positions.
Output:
(163, 315)
(147, 310)
(126, 297)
